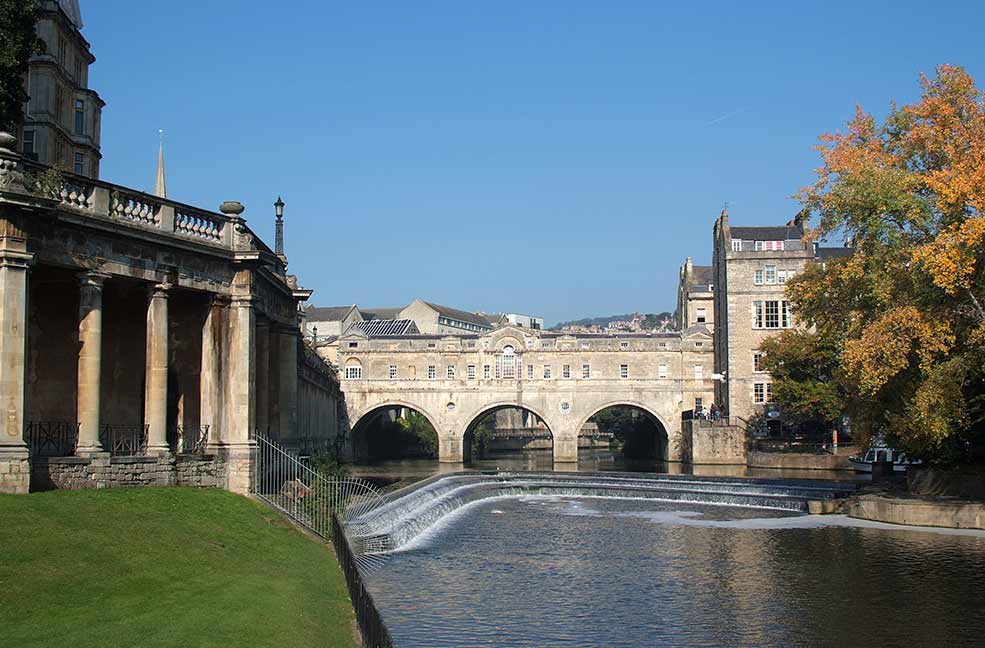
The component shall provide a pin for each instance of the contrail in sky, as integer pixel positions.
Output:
(723, 117)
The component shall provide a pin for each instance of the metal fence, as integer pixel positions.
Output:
(193, 439)
(282, 479)
(51, 438)
(374, 631)
(125, 440)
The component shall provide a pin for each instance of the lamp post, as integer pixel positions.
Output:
(279, 236)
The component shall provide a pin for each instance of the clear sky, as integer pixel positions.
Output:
(556, 158)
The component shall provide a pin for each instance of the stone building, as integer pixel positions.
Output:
(750, 268)
(144, 341)
(562, 380)
(695, 296)
(62, 117)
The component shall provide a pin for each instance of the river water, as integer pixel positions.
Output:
(591, 572)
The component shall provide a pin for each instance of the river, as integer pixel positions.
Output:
(554, 571)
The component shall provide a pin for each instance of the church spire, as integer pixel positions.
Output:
(161, 186)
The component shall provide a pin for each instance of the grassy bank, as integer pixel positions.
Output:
(163, 567)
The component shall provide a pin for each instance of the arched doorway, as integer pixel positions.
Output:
(623, 436)
(393, 431)
(508, 436)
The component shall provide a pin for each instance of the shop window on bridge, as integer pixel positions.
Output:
(566, 371)
(624, 371)
(470, 372)
(451, 372)
(662, 370)
(506, 363)
(530, 372)
(486, 371)
(586, 371)
(432, 372)
(547, 372)
(393, 372)
(353, 370)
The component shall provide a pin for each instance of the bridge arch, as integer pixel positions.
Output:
(477, 415)
(361, 424)
(663, 431)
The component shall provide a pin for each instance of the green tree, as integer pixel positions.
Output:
(18, 41)
(807, 385)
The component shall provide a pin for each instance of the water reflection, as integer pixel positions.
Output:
(596, 460)
(570, 572)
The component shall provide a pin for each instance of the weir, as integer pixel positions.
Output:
(409, 512)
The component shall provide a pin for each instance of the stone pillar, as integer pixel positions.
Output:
(450, 449)
(287, 396)
(90, 360)
(239, 417)
(214, 352)
(156, 371)
(565, 446)
(263, 376)
(14, 467)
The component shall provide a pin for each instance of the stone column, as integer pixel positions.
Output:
(239, 416)
(214, 352)
(263, 376)
(15, 477)
(287, 393)
(156, 371)
(450, 449)
(90, 360)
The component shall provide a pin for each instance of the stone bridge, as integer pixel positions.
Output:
(563, 379)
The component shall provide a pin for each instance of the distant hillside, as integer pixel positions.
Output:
(651, 319)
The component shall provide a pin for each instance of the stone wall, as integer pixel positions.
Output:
(102, 471)
(15, 475)
(798, 461)
(706, 443)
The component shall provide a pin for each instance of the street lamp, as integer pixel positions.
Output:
(279, 230)
(279, 207)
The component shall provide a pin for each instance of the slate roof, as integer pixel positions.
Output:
(387, 313)
(825, 253)
(327, 313)
(460, 315)
(771, 233)
(701, 277)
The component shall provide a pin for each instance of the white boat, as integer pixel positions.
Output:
(883, 453)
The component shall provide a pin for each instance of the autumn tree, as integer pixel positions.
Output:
(18, 41)
(905, 311)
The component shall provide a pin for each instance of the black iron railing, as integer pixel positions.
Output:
(374, 631)
(51, 438)
(125, 440)
(193, 439)
(801, 445)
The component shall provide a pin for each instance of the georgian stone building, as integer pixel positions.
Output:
(62, 117)
(695, 296)
(144, 341)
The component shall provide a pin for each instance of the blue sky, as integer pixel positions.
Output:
(558, 158)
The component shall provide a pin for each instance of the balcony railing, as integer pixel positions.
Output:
(193, 439)
(51, 438)
(125, 440)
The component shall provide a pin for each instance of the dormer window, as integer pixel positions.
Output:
(737, 245)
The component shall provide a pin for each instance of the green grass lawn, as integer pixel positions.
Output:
(163, 567)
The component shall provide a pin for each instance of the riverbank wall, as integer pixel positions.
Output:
(797, 461)
(919, 511)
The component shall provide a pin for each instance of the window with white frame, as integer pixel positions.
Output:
(353, 371)
(758, 278)
(662, 370)
(486, 373)
(771, 315)
(624, 371)
(80, 164)
(392, 373)
(432, 372)
(757, 362)
(698, 405)
(699, 372)
(451, 372)
(508, 362)
(547, 372)
(770, 275)
(470, 372)
(586, 371)
(702, 315)
(530, 372)
(737, 245)
(781, 276)
(762, 393)
(566, 371)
